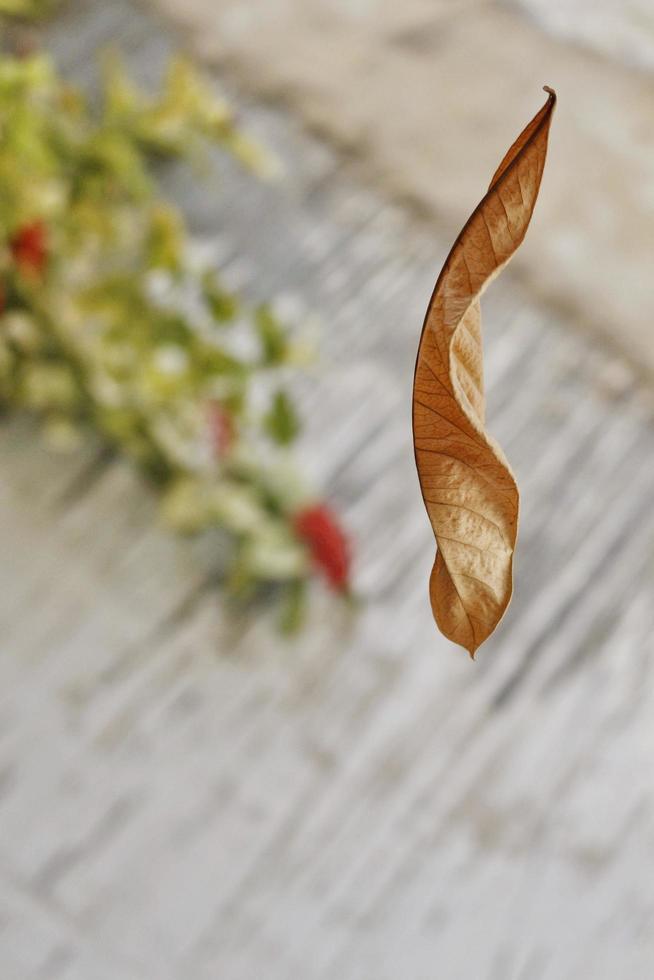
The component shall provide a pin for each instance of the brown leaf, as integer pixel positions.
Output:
(467, 485)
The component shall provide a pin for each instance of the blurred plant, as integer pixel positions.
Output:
(29, 9)
(95, 328)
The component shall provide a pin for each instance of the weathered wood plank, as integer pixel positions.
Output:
(185, 796)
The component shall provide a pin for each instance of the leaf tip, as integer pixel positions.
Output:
(550, 91)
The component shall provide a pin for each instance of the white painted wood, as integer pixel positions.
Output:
(184, 796)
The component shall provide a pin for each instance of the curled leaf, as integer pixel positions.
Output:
(467, 485)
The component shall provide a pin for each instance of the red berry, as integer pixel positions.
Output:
(222, 429)
(29, 247)
(329, 547)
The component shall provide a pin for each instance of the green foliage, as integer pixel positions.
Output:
(94, 329)
(223, 305)
(28, 9)
(281, 421)
(272, 337)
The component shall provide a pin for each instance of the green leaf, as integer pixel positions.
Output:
(294, 607)
(281, 422)
(212, 360)
(165, 238)
(272, 336)
(121, 97)
(222, 304)
(25, 8)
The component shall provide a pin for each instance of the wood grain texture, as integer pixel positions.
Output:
(186, 798)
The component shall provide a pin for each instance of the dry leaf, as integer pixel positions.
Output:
(469, 490)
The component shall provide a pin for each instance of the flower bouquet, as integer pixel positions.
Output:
(95, 332)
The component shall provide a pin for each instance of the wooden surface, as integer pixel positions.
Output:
(431, 92)
(183, 797)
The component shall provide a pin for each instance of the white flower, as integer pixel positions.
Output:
(171, 360)
(22, 329)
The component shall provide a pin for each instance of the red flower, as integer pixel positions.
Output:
(327, 543)
(221, 429)
(29, 248)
